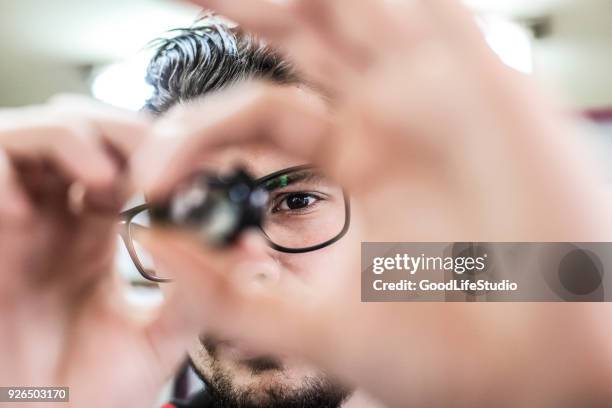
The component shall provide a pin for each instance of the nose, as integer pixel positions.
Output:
(265, 272)
(259, 267)
(258, 274)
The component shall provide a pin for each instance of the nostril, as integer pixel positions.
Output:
(257, 275)
(261, 276)
(267, 272)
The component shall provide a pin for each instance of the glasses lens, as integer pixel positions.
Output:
(141, 221)
(305, 209)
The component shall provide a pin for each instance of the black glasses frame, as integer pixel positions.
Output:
(127, 216)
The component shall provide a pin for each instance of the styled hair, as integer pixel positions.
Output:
(209, 56)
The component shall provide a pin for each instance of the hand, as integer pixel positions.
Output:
(63, 315)
(436, 140)
(416, 97)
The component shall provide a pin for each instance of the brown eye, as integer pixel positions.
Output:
(296, 201)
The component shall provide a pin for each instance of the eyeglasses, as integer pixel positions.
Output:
(305, 212)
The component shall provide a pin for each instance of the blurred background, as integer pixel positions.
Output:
(96, 47)
(68, 45)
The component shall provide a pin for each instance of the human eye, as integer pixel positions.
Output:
(296, 202)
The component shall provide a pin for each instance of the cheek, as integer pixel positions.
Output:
(304, 266)
(321, 264)
(201, 359)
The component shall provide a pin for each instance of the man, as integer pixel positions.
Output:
(433, 137)
(213, 55)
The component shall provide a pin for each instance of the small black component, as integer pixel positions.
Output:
(217, 208)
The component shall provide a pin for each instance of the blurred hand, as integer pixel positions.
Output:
(423, 119)
(63, 179)
(437, 141)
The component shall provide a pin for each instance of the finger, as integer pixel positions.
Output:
(184, 316)
(314, 57)
(179, 320)
(457, 25)
(288, 118)
(89, 141)
(181, 245)
(339, 24)
(213, 299)
(15, 214)
(14, 205)
(355, 32)
(43, 184)
(31, 134)
(332, 42)
(267, 18)
(119, 133)
(124, 129)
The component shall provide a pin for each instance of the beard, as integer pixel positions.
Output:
(315, 391)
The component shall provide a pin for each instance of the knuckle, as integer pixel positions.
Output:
(53, 124)
(71, 130)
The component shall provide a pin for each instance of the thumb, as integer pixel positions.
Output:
(211, 294)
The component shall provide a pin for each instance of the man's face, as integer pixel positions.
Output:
(235, 373)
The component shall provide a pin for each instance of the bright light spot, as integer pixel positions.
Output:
(123, 84)
(510, 41)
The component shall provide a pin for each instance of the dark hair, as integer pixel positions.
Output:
(207, 57)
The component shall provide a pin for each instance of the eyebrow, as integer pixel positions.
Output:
(285, 180)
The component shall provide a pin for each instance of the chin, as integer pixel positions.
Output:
(234, 373)
(262, 373)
